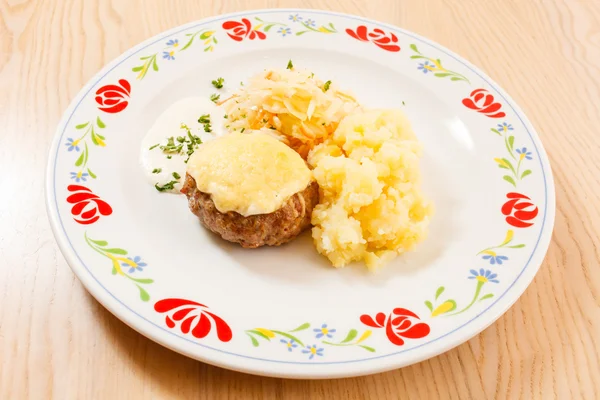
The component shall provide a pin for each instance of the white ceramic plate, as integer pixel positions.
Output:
(284, 311)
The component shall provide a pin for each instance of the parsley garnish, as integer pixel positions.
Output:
(290, 65)
(167, 186)
(326, 86)
(176, 175)
(156, 170)
(204, 119)
(182, 144)
(155, 146)
(215, 97)
(218, 83)
(243, 129)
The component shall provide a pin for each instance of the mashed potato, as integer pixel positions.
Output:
(371, 205)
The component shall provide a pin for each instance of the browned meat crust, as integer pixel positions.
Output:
(272, 229)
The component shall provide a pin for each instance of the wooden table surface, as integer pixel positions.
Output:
(57, 342)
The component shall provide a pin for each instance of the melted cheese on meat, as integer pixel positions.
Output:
(248, 173)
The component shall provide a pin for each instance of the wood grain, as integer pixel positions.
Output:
(57, 342)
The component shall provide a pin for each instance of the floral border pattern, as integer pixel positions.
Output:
(519, 211)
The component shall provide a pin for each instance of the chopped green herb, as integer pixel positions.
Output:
(215, 97)
(272, 127)
(204, 119)
(403, 103)
(241, 83)
(243, 115)
(218, 83)
(167, 186)
(180, 139)
(225, 116)
(290, 65)
(243, 129)
(207, 128)
(155, 146)
(265, 121)
(156, 170)
(176, 175)
(312, 75)
(169, 157)
(326, 86)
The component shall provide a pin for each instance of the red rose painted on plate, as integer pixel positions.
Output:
(240, 30)
(482, 101)
(194, 317)
(377, 36)
(401, 323)
(87, 206)
(113, 98)
(519, 210)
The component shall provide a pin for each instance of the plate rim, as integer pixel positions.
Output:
(131, 318)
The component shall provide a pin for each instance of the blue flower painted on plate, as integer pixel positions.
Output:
(524, 153)
(426, 67)
(72, 144)
(79, 176)
(173, 43)
(495, 259)
(324, 331)
(290, 344)
(310, 22)
(313, 350)
(169, 55)
(295, 18)
(284, 31)
(503, 127)
(136, 264)
(484, 276)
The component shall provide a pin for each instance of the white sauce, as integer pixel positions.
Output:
(185, 111)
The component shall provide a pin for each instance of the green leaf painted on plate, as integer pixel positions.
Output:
(301, 327)
(502, 166)
(516, 246)
(487, 296)
(511, 142)
(525, 173)
(300, 33)
(496, 132)
(416, 57)
(154, 64)
(351, 335)
(287, 335)
(115, 251)
(414, 48)
(81, 126)
(441, 74)
(100, 242)
(253, 339)
(439, 291)
(143, 294)
(510, 180)
(80, 159)
(137, 69)
(456, 78)
(429, 305)
(372, 350)
(100, 123)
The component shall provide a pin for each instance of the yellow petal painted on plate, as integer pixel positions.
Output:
(266, 332)
(500, 162)
(364, 336)
(489, 252)
(443, 308)
(509, 236)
